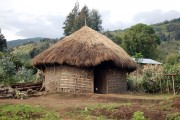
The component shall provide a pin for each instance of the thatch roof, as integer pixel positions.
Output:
(85, 48)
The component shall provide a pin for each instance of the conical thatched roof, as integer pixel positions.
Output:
(85, 48)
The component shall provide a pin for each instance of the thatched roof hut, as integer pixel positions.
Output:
(85, 49)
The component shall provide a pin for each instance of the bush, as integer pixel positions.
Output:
(24, 75)
(135, 84)
(172, 58)
(138, 116)
(150, 81)
(12, 71)
(7, 70)
(26, 112)
(172, 69)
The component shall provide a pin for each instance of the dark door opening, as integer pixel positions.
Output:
(100, 82)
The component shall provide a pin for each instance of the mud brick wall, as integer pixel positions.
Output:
(116, 81)
(64, 78)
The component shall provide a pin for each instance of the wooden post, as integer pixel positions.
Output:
(160, 86)
(167, 86)
(171, 77)
(173, 85)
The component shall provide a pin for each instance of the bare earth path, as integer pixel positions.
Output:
(54, 101)
(61, 101)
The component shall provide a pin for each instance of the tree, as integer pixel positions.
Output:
(141, 39)
(115, 38)
(82, 17)
(77, 18)
(71, 20)
(95, 20)
(3, 43)
(172, 58)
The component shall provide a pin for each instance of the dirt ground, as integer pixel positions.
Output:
(63, 102)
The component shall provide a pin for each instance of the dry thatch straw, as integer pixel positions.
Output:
(85, 48)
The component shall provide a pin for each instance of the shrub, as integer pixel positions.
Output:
(12, 71)
(24, 75)
(26, 112)
(138, 116)
(135, 84)
(7, 70)
(172, 69)
(150, 82)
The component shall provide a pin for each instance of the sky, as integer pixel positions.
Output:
(21, 19)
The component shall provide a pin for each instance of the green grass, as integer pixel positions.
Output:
(175, 116)
(138, 116)
(26, 112)
(24, 49)
(87, 112)
(112, 106)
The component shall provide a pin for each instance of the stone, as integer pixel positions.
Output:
(8, 96)
(21, 95)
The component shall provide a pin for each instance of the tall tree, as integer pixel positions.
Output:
(3, 43)
(95, 19)
(141, 38)
(76, 19)
(83, 17)
(71, 20)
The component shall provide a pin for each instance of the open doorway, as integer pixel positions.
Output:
(100, 82)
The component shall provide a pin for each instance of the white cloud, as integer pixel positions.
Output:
(44, 18)
(155, 16)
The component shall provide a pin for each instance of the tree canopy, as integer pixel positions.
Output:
(115, 38)
(141, 38)
(77, 18)
(3, 43)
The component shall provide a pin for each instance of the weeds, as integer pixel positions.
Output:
(25, 112)
(97, 112)
(138, 116)
(175, 116)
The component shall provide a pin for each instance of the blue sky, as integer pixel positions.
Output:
(44, 18)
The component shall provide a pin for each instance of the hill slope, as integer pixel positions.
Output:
(15, 43)
(168, 30)
(29, 50)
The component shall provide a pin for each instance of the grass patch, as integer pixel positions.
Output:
(26, 112)
(138, 116)
(174, 116)
(112, 106)
(97, 112)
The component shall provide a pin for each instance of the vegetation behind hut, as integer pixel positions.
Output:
(79, 18)
(3, 43)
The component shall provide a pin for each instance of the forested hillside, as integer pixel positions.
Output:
(29, 48)
(168, 30)
(15, 43)
(169, 34)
